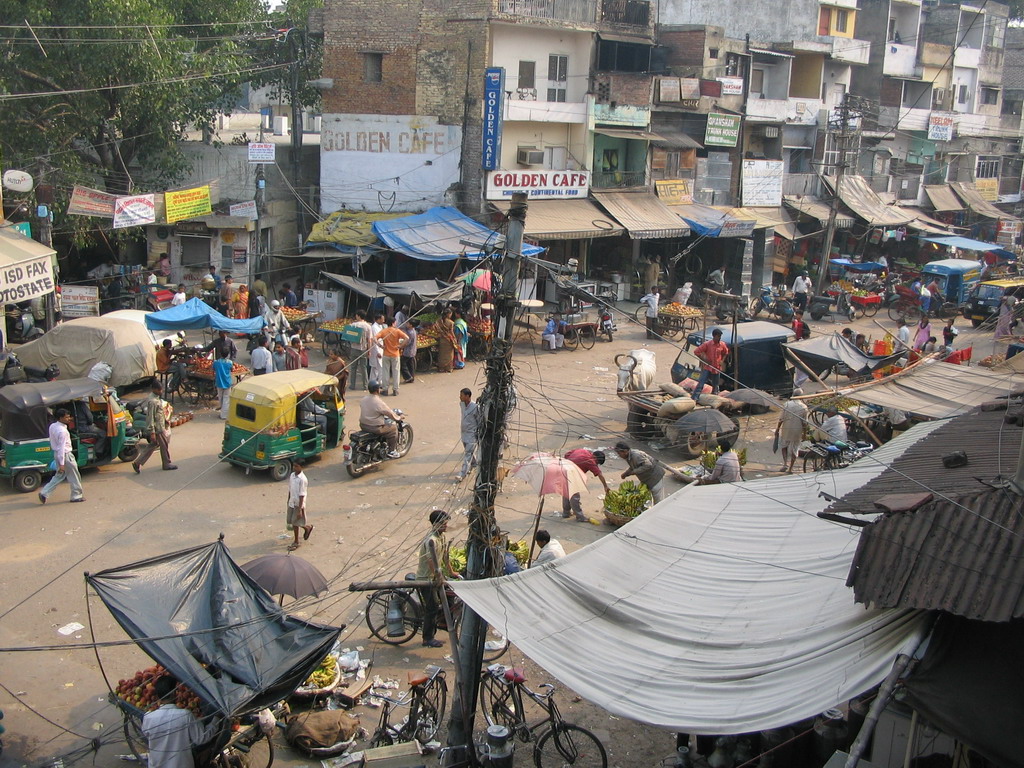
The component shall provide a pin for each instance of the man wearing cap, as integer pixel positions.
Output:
(801, 290)
(277, 323)
(587, 461)
(434, 566)
(712, 354)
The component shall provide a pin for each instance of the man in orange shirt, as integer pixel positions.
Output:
(712, 354)
(392, 339)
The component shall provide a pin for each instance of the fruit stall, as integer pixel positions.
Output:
(676, 319)
(301, 321)
(199, 385)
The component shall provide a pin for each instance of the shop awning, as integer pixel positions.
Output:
(710, 221)
(942, 197)
(642, 214)
(436, 235)
(815, 208)
(35, 278)
(968, 244)
(924, 223)
(425, 290)
(979, 205)
(565, 220)
(676, 140)
(862, 200)
(625, 133)
(763, 217)
(352, 229)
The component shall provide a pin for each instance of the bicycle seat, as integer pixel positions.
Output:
(515, 675)
(861, 444)
(832, 448)
(410, 577)
(417, 678)
(841, 446)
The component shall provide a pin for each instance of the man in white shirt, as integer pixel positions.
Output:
(63, 457)
(373, 416)
(179, 297)
(297, 485)
(550, 549)
(376, 349)
(360, 363)
(903, 335)
(834, 426)
(469, 426)
(801, 290)
(171, 732)
(651, 301)
(262, 360)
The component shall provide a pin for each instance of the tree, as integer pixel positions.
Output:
(100, 92)
(1016, 9)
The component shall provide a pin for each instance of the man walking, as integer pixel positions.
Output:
(393, 341)
(470, 426)
(801, 290)
(646, 469)
(376, 349)
(790, 430)
(222, 380)
(297, 487)
(408, 364)
(587, 461)
(63, 457)
(651, 301)
(158, 431)
(434, 566)
(712, 354)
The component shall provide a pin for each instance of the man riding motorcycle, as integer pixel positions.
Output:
(373, 415)
(277, 323)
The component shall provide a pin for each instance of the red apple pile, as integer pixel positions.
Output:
(140, 691)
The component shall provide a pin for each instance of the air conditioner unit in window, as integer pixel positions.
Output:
(530, 156)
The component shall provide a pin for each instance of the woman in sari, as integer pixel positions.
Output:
(461, 339)
(445, 342)
(240, 303)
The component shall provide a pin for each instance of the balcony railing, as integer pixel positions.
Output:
(584, 11)
(634, 13)
(618, 179)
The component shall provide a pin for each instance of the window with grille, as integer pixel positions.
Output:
(987, 167)
(558, 76)
(527, 74)
(373, 67)
(989, 95)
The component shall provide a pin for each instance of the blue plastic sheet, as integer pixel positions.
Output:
(195, 314)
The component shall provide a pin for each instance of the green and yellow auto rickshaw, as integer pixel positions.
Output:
(278, 418)
(26, 412)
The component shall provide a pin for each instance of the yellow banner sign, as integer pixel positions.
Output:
(988, 189)
(675, 191)
(187, 203)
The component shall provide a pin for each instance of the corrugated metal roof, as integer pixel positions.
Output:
(862, 200)
(965, 558)
(642, 214)
(812, 206)
(942, 197)
(973, 199)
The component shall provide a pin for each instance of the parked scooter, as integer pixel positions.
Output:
(824, 304)
(21, 325)
(366, 449)
(607, 324)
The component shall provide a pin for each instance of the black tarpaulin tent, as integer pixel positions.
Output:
(199, 615)
(825, 352)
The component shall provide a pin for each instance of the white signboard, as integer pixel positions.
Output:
(940, 126)
(402, 162)
(261, 151)
(737, 228)
(248, 209)
(134, 211)
(26, 280)
(538, 184)
(79, 300)
(762, 183)
(731, 86)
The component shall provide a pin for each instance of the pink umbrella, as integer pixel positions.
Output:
(483, 279)
(548, 473)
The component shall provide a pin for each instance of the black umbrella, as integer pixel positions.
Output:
(705, 420)
(755, 397)
(286, 575)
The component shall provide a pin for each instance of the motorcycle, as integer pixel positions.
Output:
(607, 324)
(21, 325)
(366, 449)
(771, 301)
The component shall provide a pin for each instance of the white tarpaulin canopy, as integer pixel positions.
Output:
(939, 390)
(724, 609)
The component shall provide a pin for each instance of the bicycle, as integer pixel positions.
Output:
(584, 334)
(556, 742)
(426, 698)
(822, 457)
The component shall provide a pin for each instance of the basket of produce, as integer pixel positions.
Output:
(480, 327)
(335, 326)
(324, 679)
(674, 309)
(626, 502)
(137, 694)
(296, 315)
(865, 299)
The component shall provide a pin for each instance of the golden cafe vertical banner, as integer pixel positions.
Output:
(187, 203)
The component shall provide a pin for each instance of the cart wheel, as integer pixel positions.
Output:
(870, 310)
(670, 332)
(896, 311)
(588, 337)
(136, 740)
(377, 616)
(280, 470)
(697, 443)
(572, 339)
(858, 311)
(640, 315)
(814, 463)
(28, 481)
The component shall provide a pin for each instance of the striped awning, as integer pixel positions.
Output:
(643, 215)
(565, 220)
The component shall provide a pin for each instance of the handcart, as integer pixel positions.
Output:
(204, 621)
(867, 305)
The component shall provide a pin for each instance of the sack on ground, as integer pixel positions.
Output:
(319, 729)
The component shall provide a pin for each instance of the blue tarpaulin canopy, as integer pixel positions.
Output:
(967, 244)
(194, 314)
(436, 235)
(853, 266)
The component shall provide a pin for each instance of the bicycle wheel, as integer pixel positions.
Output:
(430, 713)
(135, 739)
(377, 616)
(897, 310)
(568, 744)
(588, 337)
(870, 310)
(814, 463)
(572, 338)
(693, 264)
(755, 306)
(497, 703)
(640, 315)
(948, 310)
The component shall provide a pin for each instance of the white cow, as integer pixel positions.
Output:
(637, 370)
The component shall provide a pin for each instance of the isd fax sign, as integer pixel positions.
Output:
(494, 102)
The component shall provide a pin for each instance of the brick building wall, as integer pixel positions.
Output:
(686, 48)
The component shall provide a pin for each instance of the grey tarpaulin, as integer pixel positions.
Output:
(824, 352)
(255, 655)
(24, 413)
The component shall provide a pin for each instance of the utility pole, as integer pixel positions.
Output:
(495, 404)
(261, 185)
(44, 200)
(293, 87)
(847, 112)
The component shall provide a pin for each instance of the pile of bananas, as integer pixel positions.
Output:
(628, 500)
(324, 674)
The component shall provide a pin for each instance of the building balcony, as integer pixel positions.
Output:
(900, 60)
(531, 111)
(573, 11)
(969, 58)
(626, 13)
(618, 179)
(767, 110)
(850, 50)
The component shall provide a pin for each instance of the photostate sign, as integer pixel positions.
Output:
(26, 280)
(722, 130)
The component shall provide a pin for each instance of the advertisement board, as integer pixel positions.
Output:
(722, 130)
(262, 152)
(79, 300)
(26, 280)
(494, 103)
(940, 126)
(675, 191)
(538, 184)
(762, 182)
(187, 203)
(91, 202)
(134, 211)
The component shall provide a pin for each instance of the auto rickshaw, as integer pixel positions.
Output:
(269, 425)
(26, 412)
(758, 346)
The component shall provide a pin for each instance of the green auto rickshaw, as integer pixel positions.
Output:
(281, 417)
(26, 412)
